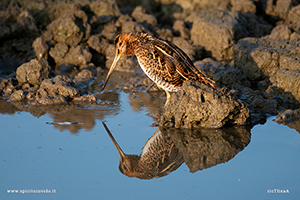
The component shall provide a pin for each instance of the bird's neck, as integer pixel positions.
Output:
(131, 46)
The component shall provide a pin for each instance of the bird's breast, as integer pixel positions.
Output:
(151, 69)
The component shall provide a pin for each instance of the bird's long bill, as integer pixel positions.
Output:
(113, 66)
(120, 151)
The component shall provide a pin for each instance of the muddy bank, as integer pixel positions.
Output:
(51, 52)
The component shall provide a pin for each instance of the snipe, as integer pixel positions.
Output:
(161, 60)
(158, 158)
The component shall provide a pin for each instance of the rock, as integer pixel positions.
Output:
(181, 27)
(258, 101)
(290, 118)
(7, 85)
(295, 36)
(140, 15)
(98, 43)
(217, 31)
(277, 60)
(49, 100)
(280, 32)
(85, 74)
(231, 77)
(192, 5)
(71, 29)
(260, 58)
(110, 31)
(17, 95)
(287, 116)
(58, 52)
(276, 9)
(79, 55)
(8, 89)
(85, 98)
(286, 83)
(198, 105)
(98, 46)
(128, 25)
(83, 78)
(256, 25)
(131, 26)
(47, 35)
(89, 66)
(63, 9)
(165, 33)
(33, 72)
(293, 18)
(41, 48)
(243, 6)
(294, 14)
(30, 96)
(57, 86)
(105, 7)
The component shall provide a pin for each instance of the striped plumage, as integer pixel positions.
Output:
(159, 157)
(162, 61)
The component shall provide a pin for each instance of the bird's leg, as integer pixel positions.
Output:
(168, 97)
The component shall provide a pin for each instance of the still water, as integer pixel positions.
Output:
(79, 161)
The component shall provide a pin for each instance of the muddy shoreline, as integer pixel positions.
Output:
(55, 53)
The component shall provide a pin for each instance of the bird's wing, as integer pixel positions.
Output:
(175, 60)
(180, 63)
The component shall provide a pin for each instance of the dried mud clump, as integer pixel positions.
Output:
(33, 72)
(35, 85)
(274, 60)
(198, 105)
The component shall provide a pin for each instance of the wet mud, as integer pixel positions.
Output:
(54, 57)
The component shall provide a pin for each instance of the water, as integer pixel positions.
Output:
(79, 161)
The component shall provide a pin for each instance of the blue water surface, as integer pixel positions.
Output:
(84, 165)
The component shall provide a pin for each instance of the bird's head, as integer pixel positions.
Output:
(128, 163)
(123, 47)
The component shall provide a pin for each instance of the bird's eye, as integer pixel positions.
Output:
(124, 167)
(120, 43)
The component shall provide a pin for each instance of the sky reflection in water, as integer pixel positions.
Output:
(84, 164)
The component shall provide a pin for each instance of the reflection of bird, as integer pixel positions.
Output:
(158, 158)
(162, 61)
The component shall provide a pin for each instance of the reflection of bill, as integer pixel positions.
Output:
(159, 157)
(168, 148)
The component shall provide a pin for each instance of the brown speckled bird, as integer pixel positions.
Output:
(158, 158)
(161, 60)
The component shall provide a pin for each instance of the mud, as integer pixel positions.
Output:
(199, 106)
(55, 52)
